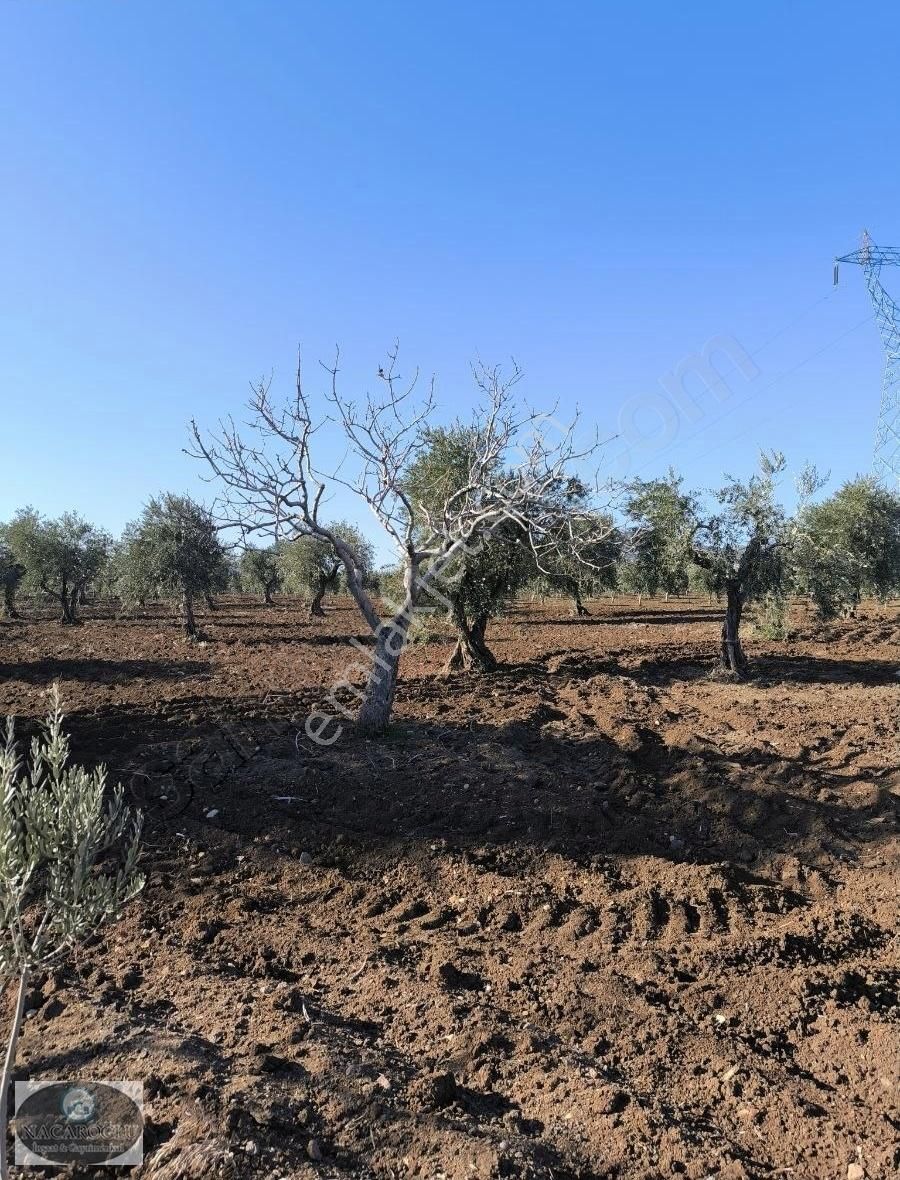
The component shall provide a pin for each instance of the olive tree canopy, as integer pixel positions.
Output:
(60, 557)
(849, 547)
(259, 569)
(310, 564)
(174, 547)
(745, 543)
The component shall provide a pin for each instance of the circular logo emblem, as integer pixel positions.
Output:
(78, 1105)
(87, 1123)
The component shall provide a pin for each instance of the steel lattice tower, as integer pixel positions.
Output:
(887, 314)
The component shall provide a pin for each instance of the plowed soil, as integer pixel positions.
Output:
(601, 914)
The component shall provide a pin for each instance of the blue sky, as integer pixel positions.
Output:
(190, 188)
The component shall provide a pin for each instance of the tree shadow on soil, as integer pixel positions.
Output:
(213, 619)
(195, 1048)
(317, 639)
(651, 618)
(505, 793)
(101, 671)
(769, 670)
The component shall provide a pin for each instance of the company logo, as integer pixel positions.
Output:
(78, 1105)
(85, 1122)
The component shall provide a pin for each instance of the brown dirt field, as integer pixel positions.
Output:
(602, 914)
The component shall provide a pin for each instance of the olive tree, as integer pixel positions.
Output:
(259, 570)
(11, 574)
(60, 557)
(849, 547)
(485, 576)
(174, 548)
(133, 578)
(745, 544)
(68, 862)
(482, 589)
(580, 556)
(703, 581)
(656, 553)
(273, 484)
(310, 564)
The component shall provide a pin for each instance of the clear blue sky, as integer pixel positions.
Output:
(189, 188)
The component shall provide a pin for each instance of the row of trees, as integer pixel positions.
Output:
(737, 543)
(172, 551)
(741, 544)
(834, 552)
(476, 511)
(57, 558)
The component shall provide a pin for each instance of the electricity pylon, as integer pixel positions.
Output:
(886, 464)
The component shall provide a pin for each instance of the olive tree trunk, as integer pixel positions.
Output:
(580, 609)
(378, 695)
(569, 585)
(68, 600)
(733, 658)
(187, 615)
(327, 581)
(471, 650)
(9, 601)
(315, 605)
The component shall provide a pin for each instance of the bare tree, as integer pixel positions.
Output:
(271, 485)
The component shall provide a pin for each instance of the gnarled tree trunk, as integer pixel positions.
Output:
(187, 615)
(733, 658)
(11, 579)
(68, 600)
(315, 605)
(737, 581)
(570, 586)
(471, 651)
(326, 582)
(580, 609)
(74, 601)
